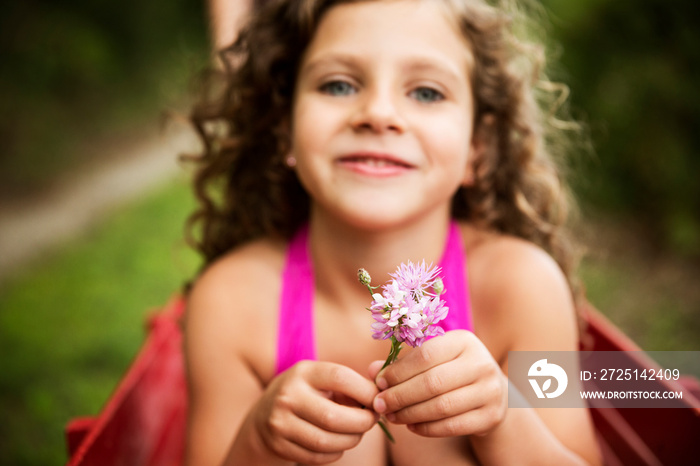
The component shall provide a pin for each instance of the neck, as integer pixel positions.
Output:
(339, 250)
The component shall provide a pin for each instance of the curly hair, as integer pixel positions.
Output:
(245, 191)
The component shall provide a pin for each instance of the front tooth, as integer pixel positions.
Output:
(376, 162)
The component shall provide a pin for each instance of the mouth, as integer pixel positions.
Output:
(375, 164)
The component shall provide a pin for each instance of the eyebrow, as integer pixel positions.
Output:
(343, 59)
(411, 64)
(430, 64)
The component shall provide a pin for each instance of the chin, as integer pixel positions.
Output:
(380, 221)
(377, 213)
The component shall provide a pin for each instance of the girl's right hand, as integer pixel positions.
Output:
(313, 412)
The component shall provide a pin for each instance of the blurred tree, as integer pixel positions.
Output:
(633, 68)
(69, 67)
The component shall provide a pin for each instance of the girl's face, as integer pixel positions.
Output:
(383, 114)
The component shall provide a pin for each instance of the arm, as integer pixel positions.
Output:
(240, 415)
(542, 317)
(455, 386)
(226, 17)
(221, 385)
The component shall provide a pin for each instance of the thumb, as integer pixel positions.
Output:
(374, 369)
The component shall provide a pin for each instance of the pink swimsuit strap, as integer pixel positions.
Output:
(295, 335)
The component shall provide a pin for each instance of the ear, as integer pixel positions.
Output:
(283, 134)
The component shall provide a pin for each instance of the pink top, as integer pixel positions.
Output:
(295, 338)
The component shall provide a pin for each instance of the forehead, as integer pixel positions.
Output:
(392, 27)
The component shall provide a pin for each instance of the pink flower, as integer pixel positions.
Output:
(409, 306)
(407, 310)
(416, 278)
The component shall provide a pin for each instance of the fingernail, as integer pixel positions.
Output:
(379, 405)
(391, 417)
(382, 383)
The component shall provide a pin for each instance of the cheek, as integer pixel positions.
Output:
(452, 145)
(299, 131)
(309, 129)
(452, 155)
(306, 145)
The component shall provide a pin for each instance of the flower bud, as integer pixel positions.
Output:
(364, 277)
(438, 286)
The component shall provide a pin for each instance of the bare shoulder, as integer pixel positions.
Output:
(249, 273)
(502, 263)
(255, 265)
(233, 304)
(520, 296)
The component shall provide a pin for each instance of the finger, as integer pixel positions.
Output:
(432, 352)
(374, 369)
(333, 417)
(290, 437)
(475, 422)
(291, 451)
(343, 400)
(338, 378)
(436, 381)
(314, 439)
(453, 403)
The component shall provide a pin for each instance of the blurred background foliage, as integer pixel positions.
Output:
(71, 322)
(81, 75)
(634, 69)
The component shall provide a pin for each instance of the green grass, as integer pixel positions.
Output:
(651, 294)
(656, 303)
(71, 323)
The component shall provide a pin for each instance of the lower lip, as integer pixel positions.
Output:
(374, 170)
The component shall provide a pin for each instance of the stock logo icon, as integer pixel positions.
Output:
(543, 371)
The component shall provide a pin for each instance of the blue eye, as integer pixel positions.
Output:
(339, 88)
(426, 94)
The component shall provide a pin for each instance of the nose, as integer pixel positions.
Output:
(377, 111)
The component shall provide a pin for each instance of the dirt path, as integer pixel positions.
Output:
(29, 228)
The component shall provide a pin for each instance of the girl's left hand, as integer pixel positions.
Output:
(449, 386)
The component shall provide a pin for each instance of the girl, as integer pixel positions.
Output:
(364, 134)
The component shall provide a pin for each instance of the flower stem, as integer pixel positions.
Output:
(386, 431)
(393, 353)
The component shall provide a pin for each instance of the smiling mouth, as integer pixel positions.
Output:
(377, 165)
(375, 161)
